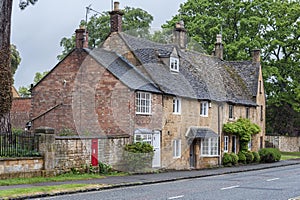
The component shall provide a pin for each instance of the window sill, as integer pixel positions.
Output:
(146, 114)
(209, 156)
(176, 113)
(203, 115)
(177, 157)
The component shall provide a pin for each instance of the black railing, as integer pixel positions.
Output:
(19, 144)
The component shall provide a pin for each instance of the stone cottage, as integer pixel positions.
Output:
(164, 94)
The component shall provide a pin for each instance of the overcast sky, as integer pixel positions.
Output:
(37, 30)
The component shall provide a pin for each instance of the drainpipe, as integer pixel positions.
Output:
(219, 132)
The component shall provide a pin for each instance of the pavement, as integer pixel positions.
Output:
(143, 179)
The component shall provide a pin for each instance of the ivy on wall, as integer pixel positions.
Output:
(243, 128)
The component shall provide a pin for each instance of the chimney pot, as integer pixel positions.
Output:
(219, 47)
(116, 6)
(219, 38)
(256, 55)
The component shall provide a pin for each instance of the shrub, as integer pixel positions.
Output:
(137, 157)
(235, 158)
(268, 155)
(104, 168)
(242, 157)
(256, 156)
(249, 156)
(227, 160)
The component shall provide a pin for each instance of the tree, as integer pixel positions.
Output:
(15, 58)
(5, 70)
(272, 26)
(25, 91)
(5, 65)
(135, 21)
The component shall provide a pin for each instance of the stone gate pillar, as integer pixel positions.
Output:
(47, 146)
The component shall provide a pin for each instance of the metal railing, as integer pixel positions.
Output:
(19, 144)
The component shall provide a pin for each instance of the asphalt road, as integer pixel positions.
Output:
(276, 183)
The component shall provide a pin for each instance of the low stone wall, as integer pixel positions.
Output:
(21, 167)
(76, 152)
(284, 143)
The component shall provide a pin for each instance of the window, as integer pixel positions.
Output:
(209, 146)
(233, 147)
(250, 144)
(143, 103)
(174, 64)
(176, 105)
(226, 142)
(230, 111)
(143, 138)
(176, 148)
(247, 113)
(204, 108)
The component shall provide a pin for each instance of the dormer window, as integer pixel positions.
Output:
(174, 64)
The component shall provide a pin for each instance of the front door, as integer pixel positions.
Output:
(233, 149)
(156, 147)
(192, 155)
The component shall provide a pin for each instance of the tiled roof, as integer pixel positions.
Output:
(201, 76)
(123, 70)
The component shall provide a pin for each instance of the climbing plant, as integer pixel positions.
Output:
(243, 128)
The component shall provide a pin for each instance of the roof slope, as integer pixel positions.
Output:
(123, 70)
(201, 76)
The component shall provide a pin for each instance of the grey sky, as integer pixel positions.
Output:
(37, 30)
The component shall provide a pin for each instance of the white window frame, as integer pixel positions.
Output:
(210, 147)
(143, 138)
(176, 148)
(143, 103)
(174, 64)
(231, 111)
(204, 108)
(226, 143)
(176, 105)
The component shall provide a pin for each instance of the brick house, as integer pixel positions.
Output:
(177, 100)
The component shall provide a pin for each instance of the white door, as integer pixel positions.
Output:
(156, 146)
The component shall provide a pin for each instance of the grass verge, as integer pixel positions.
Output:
(45, 190)
(290, 155)
(63, 177)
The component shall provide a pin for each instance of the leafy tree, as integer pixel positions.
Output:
(25, 91)
(15, 58)
(135, 21)
(244, 129)
(272, 26)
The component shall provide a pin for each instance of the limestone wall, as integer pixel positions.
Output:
(285, 143)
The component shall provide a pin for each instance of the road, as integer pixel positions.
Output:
(277, 183)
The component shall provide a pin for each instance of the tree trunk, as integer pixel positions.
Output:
(5, 70)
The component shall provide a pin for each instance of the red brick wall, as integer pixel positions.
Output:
(55, 91)
(20, 112)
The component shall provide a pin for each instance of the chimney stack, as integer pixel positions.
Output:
(116, 18)
(179, 35)
(81, 36)
(255, 55)
(218, 51)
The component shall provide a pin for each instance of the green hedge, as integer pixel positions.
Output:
(268, 155)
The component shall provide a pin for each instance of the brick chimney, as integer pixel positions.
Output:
(179, 35)
(218, 51)
(81, 36)
(116, 18)
(255, 55)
